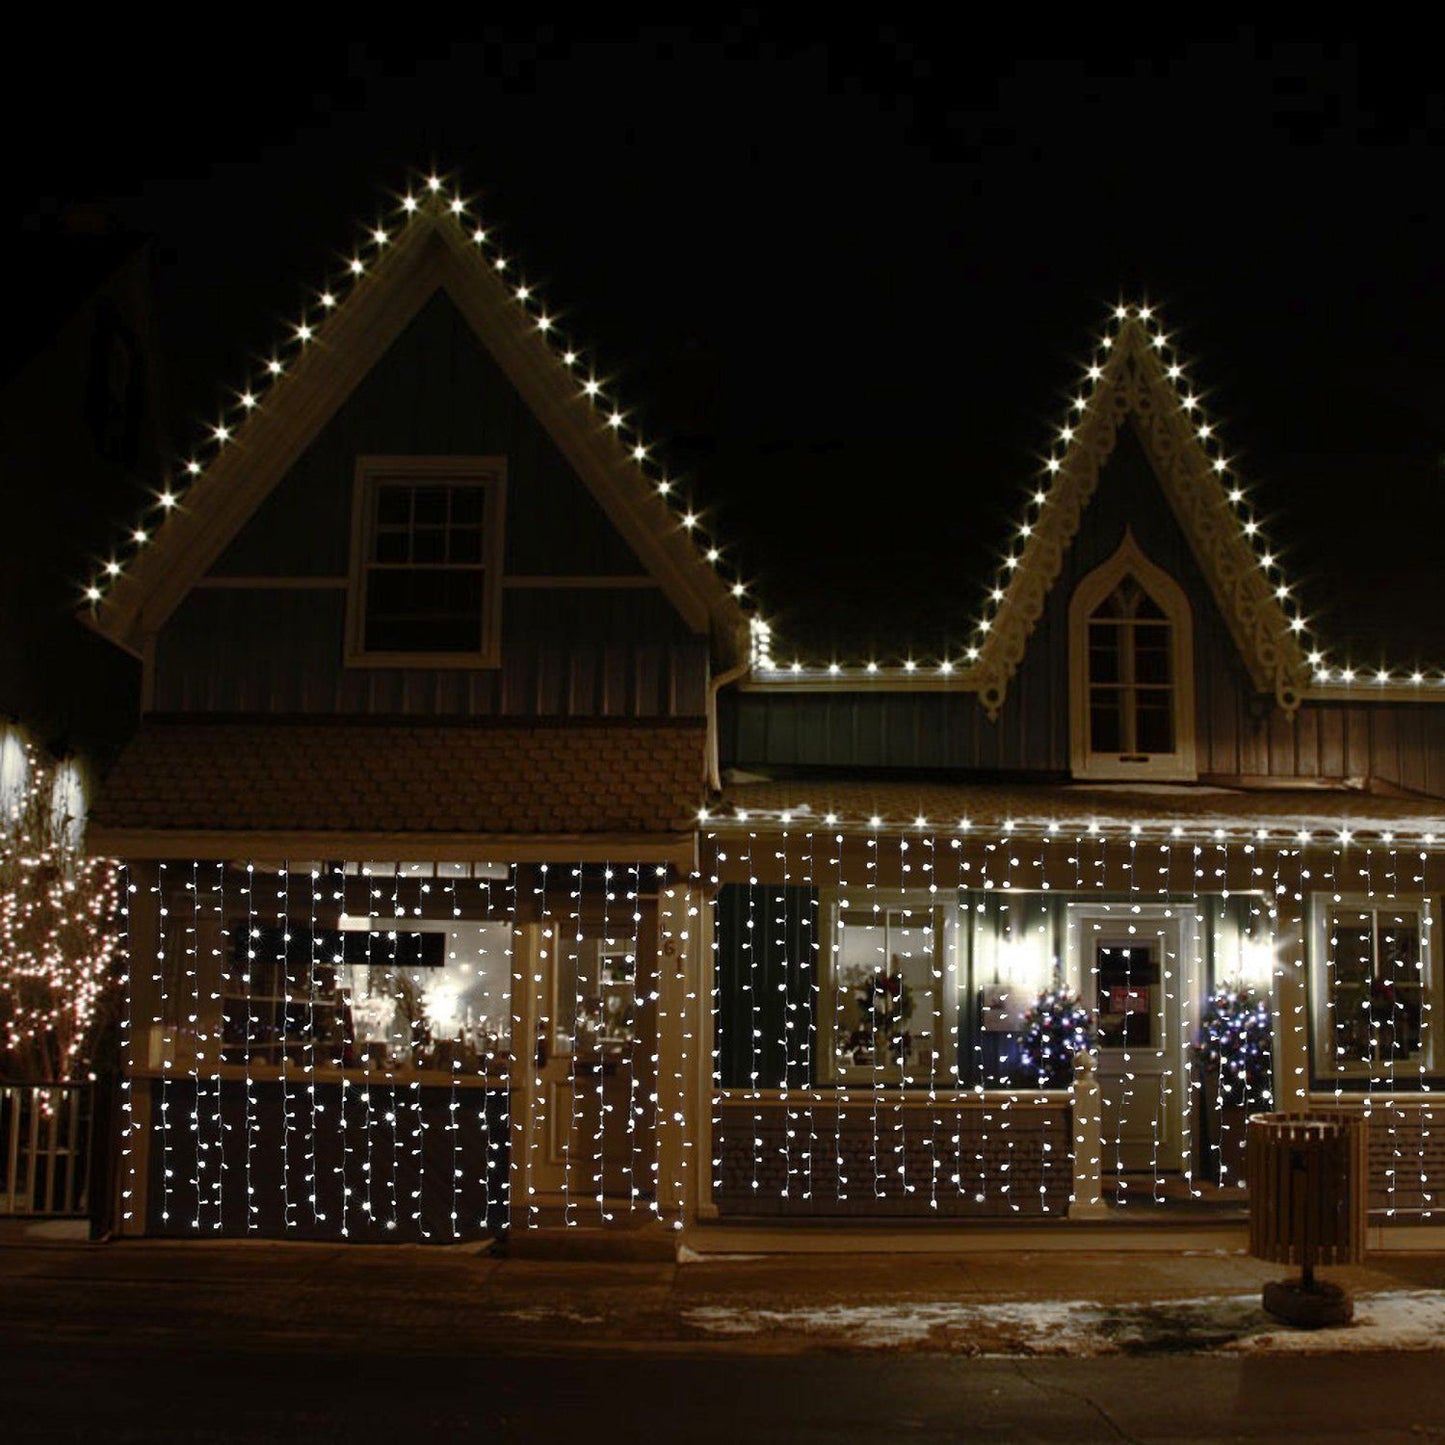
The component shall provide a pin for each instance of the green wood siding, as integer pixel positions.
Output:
(595, 652)
(1237, 731)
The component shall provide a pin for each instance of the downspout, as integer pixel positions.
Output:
(714, 758)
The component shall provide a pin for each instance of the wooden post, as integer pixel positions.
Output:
(142, 968)
(528, 968)
(1087, 1200)
(706, 1031)
(1291, 1003)
(677, 1044)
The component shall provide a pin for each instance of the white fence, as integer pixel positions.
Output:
(45, 1132)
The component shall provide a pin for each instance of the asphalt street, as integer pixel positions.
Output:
(257, 1342)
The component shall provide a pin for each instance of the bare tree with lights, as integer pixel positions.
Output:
(57, 934)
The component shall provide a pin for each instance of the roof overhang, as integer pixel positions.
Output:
(136, 844)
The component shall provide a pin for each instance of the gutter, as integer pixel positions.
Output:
(714, 761)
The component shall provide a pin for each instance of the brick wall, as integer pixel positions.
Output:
(1406, 1140)
(976, 1161)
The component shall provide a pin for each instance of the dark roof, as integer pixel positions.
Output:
(362, 778)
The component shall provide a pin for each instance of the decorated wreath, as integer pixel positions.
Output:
(885, 1004)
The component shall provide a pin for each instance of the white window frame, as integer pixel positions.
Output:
(1325, 1065)
(857, 905)
(489, 473)
(1179, 764)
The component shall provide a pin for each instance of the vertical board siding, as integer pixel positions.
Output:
(1238, 733)
(282, 653)
(619, 652)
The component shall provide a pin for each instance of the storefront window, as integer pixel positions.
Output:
(1374, 986)
(893, 1015)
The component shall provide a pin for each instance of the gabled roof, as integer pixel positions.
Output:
(433, 242)
(1135, 377)
(1135, 383)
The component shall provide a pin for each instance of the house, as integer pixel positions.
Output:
(491, 864)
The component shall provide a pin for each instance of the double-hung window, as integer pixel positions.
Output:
(427, 562)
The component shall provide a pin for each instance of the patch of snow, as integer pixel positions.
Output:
(1394, 1320)
(1398, 1320)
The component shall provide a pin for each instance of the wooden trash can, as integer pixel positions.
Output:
(1307, 1178)
(1308, 1205)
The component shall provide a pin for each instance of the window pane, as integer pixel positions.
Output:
(429, 544)
(390, 546)
(1351, 947)
(1153, 723)
(1398, 991)
(1106, 734)
(436, 610)
(426, 591)
(889, 1004)
(465, 544)
(393, 505)
(429, 506)
(466, 506)
(1104, 652)
(1151, 653)
(1128, 976)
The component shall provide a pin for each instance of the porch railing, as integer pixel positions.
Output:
(45, 1134)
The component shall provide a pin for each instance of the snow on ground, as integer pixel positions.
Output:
(1395, 1320)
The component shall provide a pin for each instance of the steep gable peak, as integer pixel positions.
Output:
(1136, 376)
(433, 238)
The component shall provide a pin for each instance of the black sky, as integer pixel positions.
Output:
(853, 275)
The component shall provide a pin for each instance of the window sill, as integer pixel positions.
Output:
(1362, 1087)
(300, 1077)
(915, 1096)
(1164, 767)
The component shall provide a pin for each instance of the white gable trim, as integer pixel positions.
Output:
(254, 449)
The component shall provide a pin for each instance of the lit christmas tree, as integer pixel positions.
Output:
(1234, 1047)
(1056, 1028)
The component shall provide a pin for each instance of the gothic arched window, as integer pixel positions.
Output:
(1131, 665)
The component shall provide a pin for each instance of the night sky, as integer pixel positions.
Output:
(854, 279)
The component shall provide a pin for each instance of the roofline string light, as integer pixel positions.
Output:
(433, 195)
(441, 200)
(957, 662)
(1289, 835)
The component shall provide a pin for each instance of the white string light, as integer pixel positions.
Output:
(253, 398)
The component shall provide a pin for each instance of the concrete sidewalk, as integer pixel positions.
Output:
(1014, 1298)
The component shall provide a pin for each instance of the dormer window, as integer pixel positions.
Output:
(426, 562)
(1131, 674)
(1132, 671)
